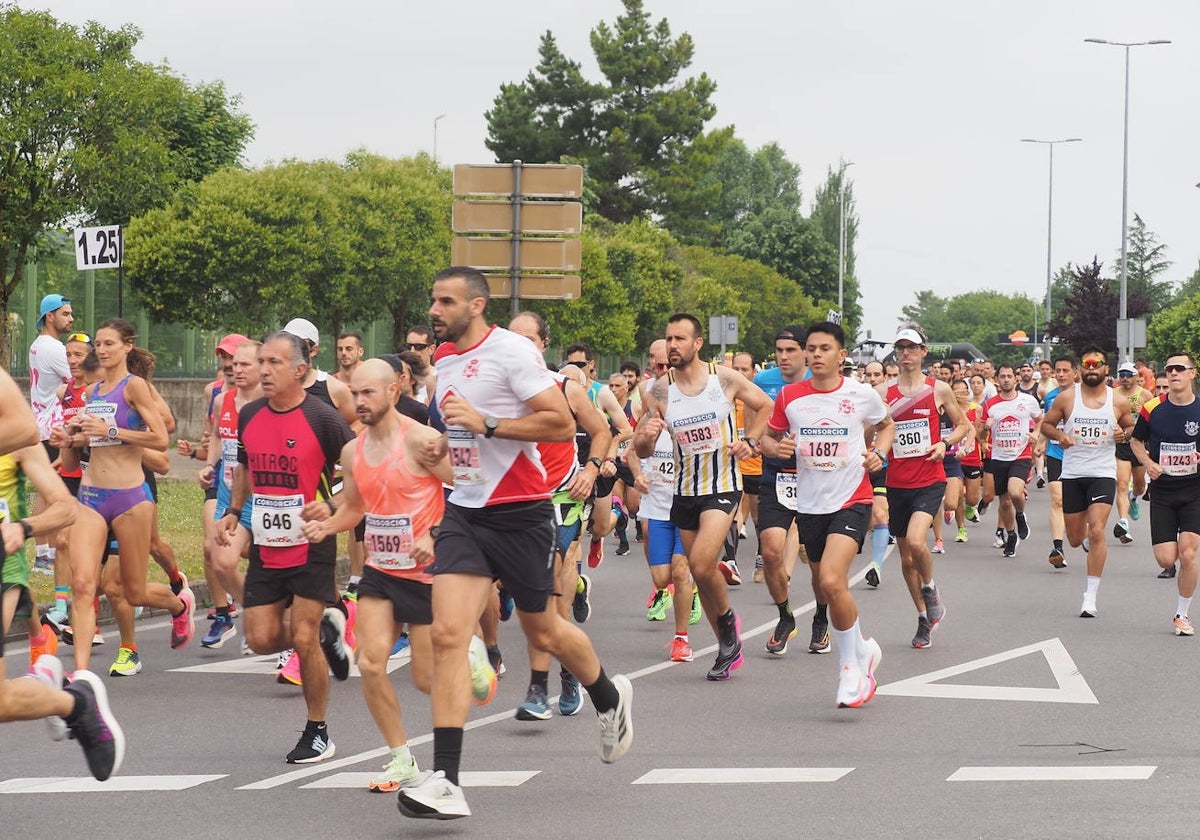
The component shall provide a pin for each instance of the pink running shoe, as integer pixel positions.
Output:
(289, 674)
(183, 626)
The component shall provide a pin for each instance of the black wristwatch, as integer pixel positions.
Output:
(596, 462)
(490, 424)
(26, 527)
(236, 512)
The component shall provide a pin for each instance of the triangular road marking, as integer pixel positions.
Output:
(1072, 687)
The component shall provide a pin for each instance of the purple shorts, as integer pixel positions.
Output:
(112, 503)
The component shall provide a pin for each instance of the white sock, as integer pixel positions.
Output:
(401, 752)
(1182, 609)
(847, 642)
(931, 585)
(1093, 583)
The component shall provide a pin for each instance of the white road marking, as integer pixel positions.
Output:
(1072, 687)
(467, 779)
(117, 784)
(1135, 773)
(264, 666)
(741, 775)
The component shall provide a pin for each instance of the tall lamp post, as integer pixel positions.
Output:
(1126, 348)
(435, 122)
(842, 236)
(1050, 144)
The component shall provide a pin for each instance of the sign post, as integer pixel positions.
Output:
(101, 247)
(723, 330)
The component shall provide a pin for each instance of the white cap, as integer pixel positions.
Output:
(303, 328)
(1126, 367)
(909, 335)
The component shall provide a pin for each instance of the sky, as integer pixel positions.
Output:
(928, 98)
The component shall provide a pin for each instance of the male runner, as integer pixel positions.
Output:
(751, 469)
(48, 371)
(1011, 417)
(873, 375)
(420, 339)
(1129, 469)
(497, 398)
(1088, 420)
(1064, 372)
(695, 401)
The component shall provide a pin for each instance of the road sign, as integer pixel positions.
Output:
(833, 316)
(537, 286)
(723, 330)
(97, 247)
(495, 254)
(536, 217)
(1136, 335)
(538, 180)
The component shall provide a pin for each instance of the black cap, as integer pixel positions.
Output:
(394, 360)
(793, 332)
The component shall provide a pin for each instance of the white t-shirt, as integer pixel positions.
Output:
(660, 475)
(496, 377)
(48, 370)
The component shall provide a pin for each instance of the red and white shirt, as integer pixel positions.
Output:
(828, 426)
(496, 376)
(1014, 420)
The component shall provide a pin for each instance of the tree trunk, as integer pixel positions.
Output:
(7, 286)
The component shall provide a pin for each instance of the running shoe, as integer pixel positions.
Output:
(742, 532)
(1057, 559)
(1135, 509)
(127, 664)
(333, 642)
(507, 605)
(48, 670)
(947, 516)
(924, 635)
(289, 672)
(623, 548)
(697, 612)
(496, 659)
(1088, 610)
(758, 569)
(535, 706)
(971, 514)
(785, 629)
(961, 534)
(1167, 573)
(43, 565)
(55, 619)
(483, 676)
(581, 604)
(68, 636)
(729, 571)
(402, 648)
(1121, 532)
(92, 724)
(819, 641)
(246, 648)
(982, 507)
(1010, 545)
(939, 547)
(1041, 482)
(221, 630)
(595, 553)
(999, 541)
(1183, 626)
(48, 647)
(1022, 526)
(681, 651)
(658, 607)
(853, 687)
(183, 626)
(729, 650)
(570, 699)
(433, 797)
(934, 608)
(873, 574)
(396, 774)
(616, 725)
(351, 623)
(313, 747)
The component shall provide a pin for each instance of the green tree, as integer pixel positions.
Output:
(1147, 260)
(792, 245)
(979, 317)
(1176, 329)
(828, 206)
(90, 134)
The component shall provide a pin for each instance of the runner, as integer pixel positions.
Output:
(350, 351)
(695, 401)
(881, 537)
(970, 456)
(623, 490)
(916, 479)
(822, 423)
(1088, 420)
(288, 444)
(1065, 372)
(1129, 470)
(48, 371)
(420, 339)
(1011, 418)
(751, 469)
(496, 398)
(1165, 443)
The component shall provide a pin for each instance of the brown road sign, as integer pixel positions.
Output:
(536, 217)
(493, 254)
(538, 180)
(537, 286)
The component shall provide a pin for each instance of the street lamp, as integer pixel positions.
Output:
(435, 122)
(1125, 349)
(1049, 226)
(842, 235)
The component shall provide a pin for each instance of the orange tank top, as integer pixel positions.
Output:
(400, 509)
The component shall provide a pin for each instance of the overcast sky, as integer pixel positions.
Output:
(928, 99)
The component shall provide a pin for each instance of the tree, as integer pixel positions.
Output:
(639, 122)
(979, 317)
(89, 134)
(1087, 315)
(1175, 330)
(793, 246)
(1146, 261)
(829, 204)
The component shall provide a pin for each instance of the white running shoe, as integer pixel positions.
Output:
(854, 688)
(432, 797)
(616, 725)
(48, 670)
(1088, 610)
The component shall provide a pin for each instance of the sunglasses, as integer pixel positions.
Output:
(1177, 368)
(1093, 364)
(416, 345)
(79, 337)
(1125, 375)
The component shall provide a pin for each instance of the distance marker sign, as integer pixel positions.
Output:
(97, 247)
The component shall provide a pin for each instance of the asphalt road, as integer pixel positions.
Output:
(1022, 720)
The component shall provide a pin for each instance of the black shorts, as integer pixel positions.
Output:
(1053, 469)
(1172, 510)
(854, 521)
(1078, 494)
(412, 601)
(313, 581)
(1002, 471)
(879, 482)
(972, 471)
(751, 484)
(903, 502)
(210, 495)
(624, 473)
(72, 484)
(686, 510)
(513, 543)
(603, 487)
(772, 514)
(1125, 453)
(953, 467)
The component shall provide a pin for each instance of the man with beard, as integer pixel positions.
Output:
(1010, 416)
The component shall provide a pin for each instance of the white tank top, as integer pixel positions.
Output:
(1094, 454)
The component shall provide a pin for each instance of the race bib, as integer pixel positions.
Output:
(785, 489)
(966, 447)
(228, 460)
(390, 542)
(4, 511)
(822, 447)
(107, 412)
(1008, 441)
(1177, 458)
(464, 456)
(1090, 434)
(622, 448)
(699, 435)
(275, 520)
(913, 439)
(660, 468)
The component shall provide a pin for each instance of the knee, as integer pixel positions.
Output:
(304, 634)
(371, 665)
(832, 587)
(680, 575)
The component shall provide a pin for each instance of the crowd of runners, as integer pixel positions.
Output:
(467, 474)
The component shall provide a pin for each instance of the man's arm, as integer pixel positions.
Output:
(549, 418)
(607, 403)
(18, 428)
(652, 423)
(60, 508)
(349, 504)
(592, 422)
(342, 399)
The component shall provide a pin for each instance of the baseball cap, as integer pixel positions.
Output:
(303, 328)
(50, 303)
(1126, 367)
(230, 343)
(792, 332)
(909, 335)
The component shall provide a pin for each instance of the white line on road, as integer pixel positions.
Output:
(467, 779)
(1137, 772)
(741, 775)
(117, 784)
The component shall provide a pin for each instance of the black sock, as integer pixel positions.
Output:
(541, 678)
(447, 751)
(603, 693)
(822, 613)
(785, 610)
(224, 611)
(1058, 545)
(1012, 533)
(726, 620)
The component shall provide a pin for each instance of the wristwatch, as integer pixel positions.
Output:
(751, 442)
(112, 432)
(26, 527)
(490, 424)
(596, 462)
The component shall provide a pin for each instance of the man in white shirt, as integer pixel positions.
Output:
(48, 371)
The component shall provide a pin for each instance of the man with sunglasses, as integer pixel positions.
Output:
(1088, 421)
(1165, 443)
(420, 339)
(1011, 418)
(1129, 385)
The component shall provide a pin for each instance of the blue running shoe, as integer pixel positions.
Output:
(571, 698)
(506, 605)
(536, 705)
(221, 629)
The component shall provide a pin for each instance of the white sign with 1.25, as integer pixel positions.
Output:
(97, 247)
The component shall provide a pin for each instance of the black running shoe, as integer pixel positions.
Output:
(1057, 560)
(873, 575)
(1167, 573)
(784, 630)
(92, 724)
(581, 605)
(729, 651)
(313, 747)
(1022, 526)
(1010, 544)
(819, 643)
(333, 642)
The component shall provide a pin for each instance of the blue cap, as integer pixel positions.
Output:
(50, 303)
